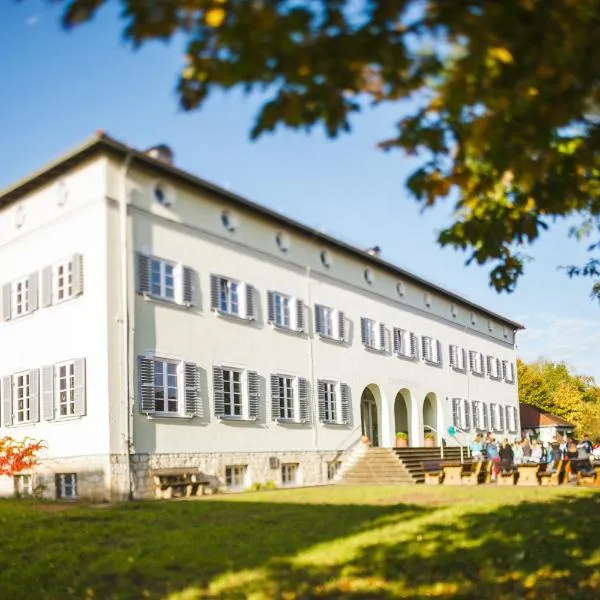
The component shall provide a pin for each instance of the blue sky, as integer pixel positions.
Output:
(58, 88)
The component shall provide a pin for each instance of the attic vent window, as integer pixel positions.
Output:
(400, 288)
(427, 299)
(368, 275)
(229, 221)
(325, 259)
(163, 194)
(473, 319)
(454, 310)
(282, 240)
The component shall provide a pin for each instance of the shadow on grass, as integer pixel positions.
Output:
(150, 550)
(541, 550)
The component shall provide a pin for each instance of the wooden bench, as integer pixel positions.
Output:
(476, 472)
(452, 473)
(587, 474)
(554, 475)
(169, 483)
(434, 472)
(528, 473)
(577, 469)
(507, 477)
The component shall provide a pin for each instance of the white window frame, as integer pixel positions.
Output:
(23, 485)
(333, 468)
(289, 474)
(332, 388)
(236, 477)
(508, 366)
(430, 350)
(21, 415)
(329, 321)
(62, 282)
(479, 366)
(228, 282)
(162, 293)
(495, 373)
(278, 321)
(405, 349)
(373, 341)
(243, 383)
(19, 302)
(295, 408)
(458, 361)
(178, 364)
(70, 378)
(67, 486)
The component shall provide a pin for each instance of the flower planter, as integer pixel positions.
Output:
(401, 443)
(429, 443)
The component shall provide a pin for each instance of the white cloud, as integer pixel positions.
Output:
(33, 20)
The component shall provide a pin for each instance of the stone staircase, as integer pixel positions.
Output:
(412, 459)
(377, 466)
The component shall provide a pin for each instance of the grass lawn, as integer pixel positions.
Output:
(330, 542)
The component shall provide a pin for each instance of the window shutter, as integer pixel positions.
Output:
(214, 292)
(34, 394)
(79, 392)
(188, 291)
(33, 291)
(467, 424)
(7, 418)
(77, 262)
(341, 326)
(414, 346)
(508, 419)
(250, 302)
(493, 424)
(472, 361)
(475, 413)
(363, 330)
(382, 337)
(453, 356)
(146, 378)
(321, 399)
(456, 421)
(191, 378)
(424, 348)
(218, 391)
(270, 307)
(464, 359)
(485, 416)
(253, 395)
(318, 319)
(299, 315)
(500, 418)
(275, 409)
(346, 408)
(438, 358)
(46, 286)
(397, 340)
(489, 366)
(48, 392)
(143, 274)
(6, 289)
(303, 400)
(481, 364)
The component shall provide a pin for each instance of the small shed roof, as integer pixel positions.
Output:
(534, 418)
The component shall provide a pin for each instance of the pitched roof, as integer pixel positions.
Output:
(101, 142)
(534, 418)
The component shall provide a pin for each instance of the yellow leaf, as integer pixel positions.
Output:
(214, 17)
(303, 70)
(501, 54)
(188, 72)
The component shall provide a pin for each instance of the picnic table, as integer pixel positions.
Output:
(169, 483)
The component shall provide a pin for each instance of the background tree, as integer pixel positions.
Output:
(504, 97)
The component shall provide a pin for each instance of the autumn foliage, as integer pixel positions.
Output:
(18, 456)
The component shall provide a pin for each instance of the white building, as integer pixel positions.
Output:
(151, 319)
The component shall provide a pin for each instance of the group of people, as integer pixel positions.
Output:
(505, 456)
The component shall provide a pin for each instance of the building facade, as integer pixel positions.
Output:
(151, 319)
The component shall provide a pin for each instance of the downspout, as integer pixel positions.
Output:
(311, 358)
(125, 331)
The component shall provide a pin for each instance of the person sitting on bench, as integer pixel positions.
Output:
(506, 457)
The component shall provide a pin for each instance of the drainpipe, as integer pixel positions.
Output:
(125, 330)
(311, 358)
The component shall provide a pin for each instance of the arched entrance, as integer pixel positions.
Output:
(430, 417)
(369, 414)
(402, 413)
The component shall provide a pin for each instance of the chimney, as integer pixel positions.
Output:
(161, 152)
(374, 251)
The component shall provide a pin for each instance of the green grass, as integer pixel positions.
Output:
(332, 542)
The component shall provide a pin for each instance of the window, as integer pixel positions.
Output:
(282, 307)
(331, 410)
(282, 240)
(22, 398)
(461, 416)
(289, 398)
(23, 485)
(329, 323)
(333, 468)
(372, 334)
(325, 259)
(235, 477)
(480, 415)
(285, 394)
(458, 358)
(405, 344)
(497, 418)
(368, 275)
(229, 221)
(494, 368)
(476, 363)
(62, 274)
(232, 386)
(400, 289)
(285, 312)
(289, 474)
(334, 402)
(231, 297)
(511, 419)
(166, 388)
(508, 371)
(66, 485)
(65, 389)
(20, 299)
(431, 351)
(162, 279)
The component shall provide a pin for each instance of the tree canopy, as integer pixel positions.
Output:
(503, 97)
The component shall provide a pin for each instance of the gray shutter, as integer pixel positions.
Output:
(275, 409)
(146, 379)
(6, 289)
(363, 330)
(77, 262)
(489, 365)
(472, 361)
(493, 424)
(7, 417)
(414, 346)
(464, 359)
(500, 419)
(214, 292)
(397, 340)
(382, 336)
(498, 369)
(346, 408)
(453, 356)
(191, 381)
(79, 392)
(439, 352)
(475, 415)
(512, 372)
(485, 417)
(34, 394)
(250, 302)
(143, 274)
(46, 286)
(482, 363)
(253, 395)
(218, 391)
(318, 319)
(456, 420)
(424, 347)
(303, 400)
(33, 291)
(48, 392)
(467, 426)
(188, 292)
(321, 399)
(341, 326)
(299, 315)
(508, 424)
(270, 307)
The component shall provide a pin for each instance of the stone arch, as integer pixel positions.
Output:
(403, 415)
(431, 417)
(371, 413)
